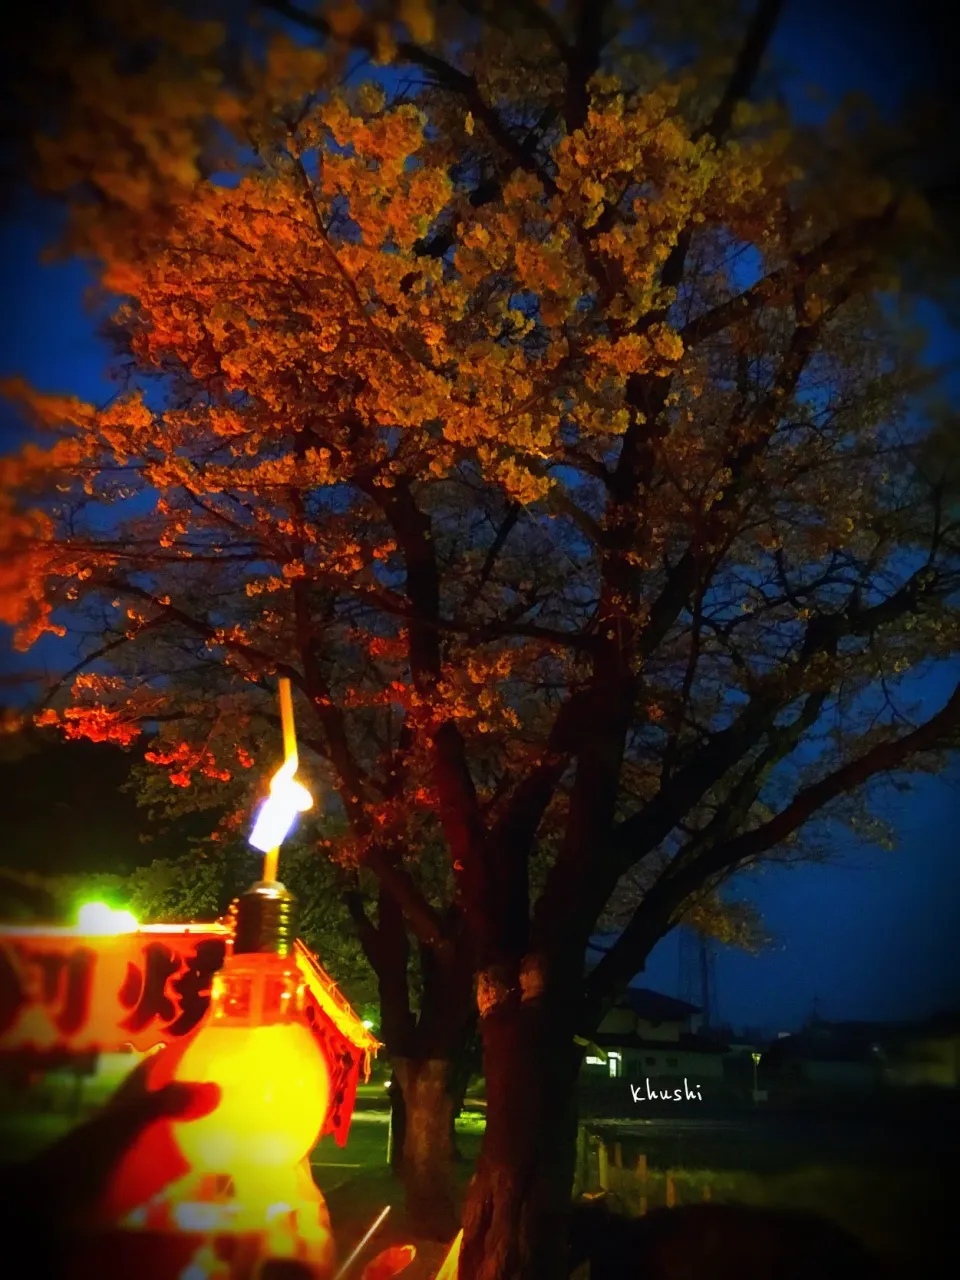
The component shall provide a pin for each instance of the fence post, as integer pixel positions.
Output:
(580, 1169)
(603, 1166)
(671, 1189)
(642, 1179)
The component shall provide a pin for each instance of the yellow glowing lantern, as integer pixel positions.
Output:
(274, 1081)
(248, 1158)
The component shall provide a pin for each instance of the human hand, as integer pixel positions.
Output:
(61, 1186)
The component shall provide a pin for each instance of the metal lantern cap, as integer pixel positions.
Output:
(265, 920)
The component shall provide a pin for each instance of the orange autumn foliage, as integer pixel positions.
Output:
(547, 435)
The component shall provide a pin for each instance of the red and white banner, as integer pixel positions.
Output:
(64, 992)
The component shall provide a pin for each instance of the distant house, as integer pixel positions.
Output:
(868, 1054)
(834, 1055)
(925, 1054)
(649, 1034)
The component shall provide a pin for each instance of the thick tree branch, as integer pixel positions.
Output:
(102, 652)
(352, 778)
(459, 808)
(490, 559)
(646, 395)
(937, 733)
(398, 1021)
(583, 59)
(364, 927)
(777, 284)
(539, 16)
(517, 826)
(394, 877)
(655, 915)
(752, 52)
(444, 75)
(736, 806)
(637, 836)
(682, 578)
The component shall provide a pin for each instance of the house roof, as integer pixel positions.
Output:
(944, 1023)
(861, 1041)
(684, 1044)
(654, 1007)
(843, 1046)
(332, 1001)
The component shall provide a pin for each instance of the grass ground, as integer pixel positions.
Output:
(357, 1183)
(903, 1214)
(356, 1180)
(904, 1217)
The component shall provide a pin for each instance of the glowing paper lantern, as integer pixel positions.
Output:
(248, 1159)
(273, 1078)
(248, 1171)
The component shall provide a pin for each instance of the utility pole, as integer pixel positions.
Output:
(705, 985)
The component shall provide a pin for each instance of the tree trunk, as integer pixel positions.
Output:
(427, 1160)
(462, 1069)
(423, 1049)
(515, 1217)
(398, 1126)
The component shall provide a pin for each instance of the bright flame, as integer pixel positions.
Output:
(451, 1262)
(96, 918)
(287, 798)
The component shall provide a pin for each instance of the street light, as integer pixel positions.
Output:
(756, 1062)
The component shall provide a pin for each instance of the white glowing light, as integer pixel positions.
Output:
(97, 919)
(287, 798)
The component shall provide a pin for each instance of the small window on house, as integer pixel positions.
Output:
(671, 1062)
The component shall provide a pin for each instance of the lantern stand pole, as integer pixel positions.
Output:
(271, 858)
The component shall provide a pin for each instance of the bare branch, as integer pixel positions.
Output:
(655, 915)
(752, 52)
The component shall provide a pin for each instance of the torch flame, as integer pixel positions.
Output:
(287, 798)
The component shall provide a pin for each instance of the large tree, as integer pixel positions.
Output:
(544, 414)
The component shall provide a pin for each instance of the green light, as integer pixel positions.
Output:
(96, 918)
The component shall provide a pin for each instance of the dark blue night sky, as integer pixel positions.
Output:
(876, 934)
